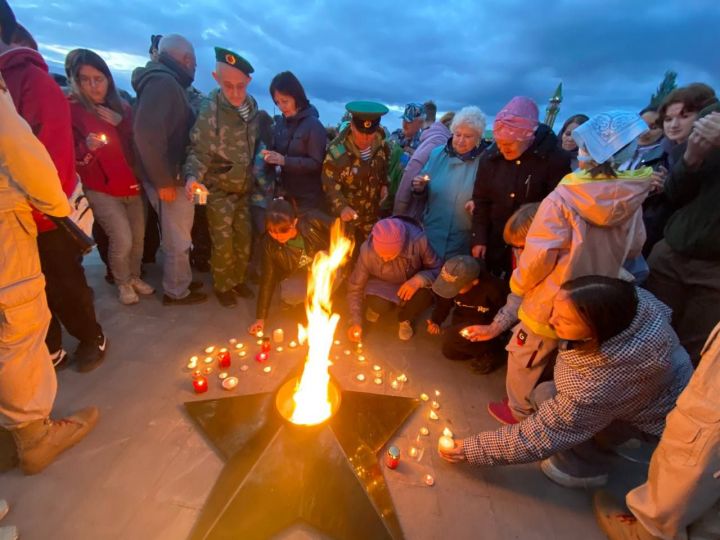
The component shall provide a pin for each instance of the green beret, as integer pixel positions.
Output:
(366, 114)
(225, 56)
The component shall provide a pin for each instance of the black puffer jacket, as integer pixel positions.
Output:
(302, 140)
(280, 260)
(502, 186)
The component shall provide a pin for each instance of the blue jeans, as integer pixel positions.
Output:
(123, 220)
(176, 220)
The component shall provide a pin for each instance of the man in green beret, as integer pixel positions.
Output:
(355, 169)
(220, 163)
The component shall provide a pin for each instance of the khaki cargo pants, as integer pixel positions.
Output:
(681, 498)
(27, 378)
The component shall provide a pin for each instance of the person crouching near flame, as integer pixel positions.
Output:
(287, 253)
(396, 267)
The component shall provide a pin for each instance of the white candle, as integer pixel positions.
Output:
(278, 335)
(361, 358)
(239, 345)
(279, 349)
(435, 405)
(402, 378)
(336, 342)
(377, 380)
(267, 369)
(433, 416)
(232, 341)
(192, 363)
(210, 349)
(259, 334)
(424, 396)
(242, 354)
(293, 344)
(209, 360)
(230, 383)
(413, 452)
(244, 367)
(348, 352)
(446, 443)
(360, 377)
(424, 431)
(395, 385)
(222, 376)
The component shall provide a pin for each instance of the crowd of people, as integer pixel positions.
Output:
(588, 262)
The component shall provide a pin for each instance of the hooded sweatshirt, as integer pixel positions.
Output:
(163, 118)
(432, 137)
(39, 100)
(586, 226)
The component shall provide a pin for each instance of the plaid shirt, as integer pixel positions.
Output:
(634, 377)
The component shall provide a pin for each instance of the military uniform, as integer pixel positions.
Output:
(350, 180)
(222, 145)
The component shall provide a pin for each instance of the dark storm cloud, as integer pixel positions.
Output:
(608, 54)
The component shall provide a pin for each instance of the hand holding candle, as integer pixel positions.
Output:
(454, 453)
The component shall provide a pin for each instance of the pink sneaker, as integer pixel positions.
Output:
(501, 412)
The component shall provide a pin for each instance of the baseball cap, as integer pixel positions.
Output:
(457, 273)
(413, 111)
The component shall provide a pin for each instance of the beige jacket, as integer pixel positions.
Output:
(586, 226)
(27, 176)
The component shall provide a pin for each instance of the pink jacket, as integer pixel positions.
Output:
(585, 226)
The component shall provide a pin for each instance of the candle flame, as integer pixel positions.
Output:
(311, 398)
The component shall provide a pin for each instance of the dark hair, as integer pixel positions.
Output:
(86, 57)
(604, 169)
(288, 84)
(578, 119)
(154, 43)
(607, 305)
(21, 36)
(265, 128)
(649, 108)
(430, 110)
(694, 98)
(8, 22)
(279, 213)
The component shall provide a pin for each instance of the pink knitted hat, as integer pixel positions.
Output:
(518, 120)
(388, 237)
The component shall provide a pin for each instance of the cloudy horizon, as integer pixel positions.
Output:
(608, 54)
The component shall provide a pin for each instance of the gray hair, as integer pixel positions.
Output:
(472, 117)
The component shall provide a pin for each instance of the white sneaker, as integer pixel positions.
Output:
(127, 295)
(405, 331)
(141, 287)
(371, 315)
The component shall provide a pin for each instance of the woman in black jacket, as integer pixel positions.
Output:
(299, 143)
(289, 248)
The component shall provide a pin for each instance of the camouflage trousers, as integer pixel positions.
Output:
(228, 216)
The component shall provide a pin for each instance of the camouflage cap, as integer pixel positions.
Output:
(456, 274)
(413, 111)
(366, 114)
(226, 56)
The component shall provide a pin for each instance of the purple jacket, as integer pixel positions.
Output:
(416, 258)
(405, 204)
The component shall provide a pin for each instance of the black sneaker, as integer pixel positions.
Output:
(90, 354)
(195, 285)
(109, 278)
(60, 359)
(226, 298)
(243, 291)
(194, 297)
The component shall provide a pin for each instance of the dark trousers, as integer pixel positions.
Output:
(456, 347)
(408, 311)
(257, 215)
(102, 242)
(152, 235)
(69, 297)
(201, 244)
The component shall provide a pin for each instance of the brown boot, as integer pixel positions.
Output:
(40, 442)
(8, 451)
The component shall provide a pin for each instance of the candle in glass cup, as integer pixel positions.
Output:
(265, 347)
(224, 358)
(200, 384)
(261, 357)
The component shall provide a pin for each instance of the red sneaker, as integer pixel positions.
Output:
(501, 412)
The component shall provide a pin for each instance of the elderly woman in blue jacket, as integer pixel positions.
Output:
(447, 181)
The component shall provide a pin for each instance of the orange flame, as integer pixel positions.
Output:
(312, 403)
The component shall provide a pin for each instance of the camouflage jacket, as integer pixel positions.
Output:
(350, 181)
(222, 145)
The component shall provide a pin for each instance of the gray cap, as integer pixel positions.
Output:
(457, 273)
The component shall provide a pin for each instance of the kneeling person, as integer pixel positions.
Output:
(287, 255)
(474, 296)
(396, 266)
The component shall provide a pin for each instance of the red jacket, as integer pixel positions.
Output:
(109, 168)
(41, 103)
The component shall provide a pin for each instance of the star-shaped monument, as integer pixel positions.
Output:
(278, 473)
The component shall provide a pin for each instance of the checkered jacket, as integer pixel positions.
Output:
(635, 377)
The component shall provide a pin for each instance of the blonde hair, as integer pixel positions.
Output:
(517, 227)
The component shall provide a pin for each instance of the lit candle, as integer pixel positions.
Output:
(192, 363)
(395, 385)
(265, 347)
(222, 376)
(279, 349)
(413, 452)
(434, 417)
(239, 345)
(259, 342)
(278, 335)
(244, 367)
(360, 345)
(103, 138)
(402, 378)
(377, 380)
(261, 357)
(232, 341)
(223, 358)
(377, 370)
(242, 354)
(200, 384)
(424, 431)
(337, 342)
(230, 383)
(292, 344)
(360, 377)
(435, 405)
(361, 358)
(209, 360)
(437, 393)
(259, 334)
(424, 396)
(207, 370)
(210, 349)
(446, 443)
(267, 370)
(428, 479)
(392, 457)
(348, 352)
(447, 433)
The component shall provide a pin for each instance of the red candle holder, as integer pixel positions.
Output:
(265, 347)
(200, 385)
(392, 457)
(224, 359)
(262, 357)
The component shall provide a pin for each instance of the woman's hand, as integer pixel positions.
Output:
(95, 140)
(408, 289)
(110, 116)
(355, 333)
(657, 180)
(433, 328)
(419, 183)
(480, 332)
(191, 186)
(256, 327)
(348, 214)
(274, 158)
(479, 251)
(454, 455)
(470, 207)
